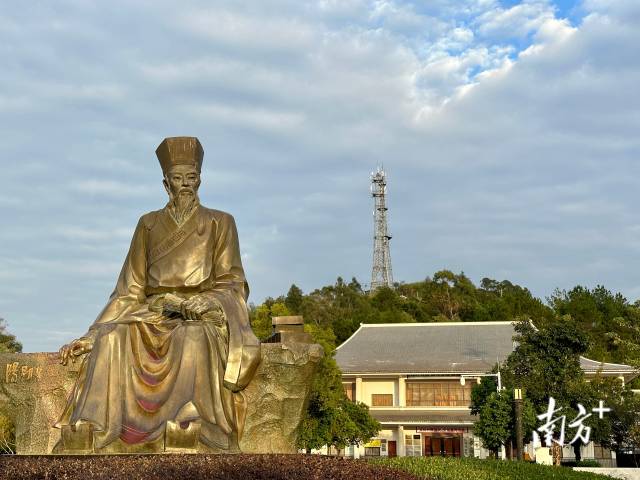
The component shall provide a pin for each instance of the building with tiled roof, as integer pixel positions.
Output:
(417, 380)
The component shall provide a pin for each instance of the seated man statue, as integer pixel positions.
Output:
(173, 348)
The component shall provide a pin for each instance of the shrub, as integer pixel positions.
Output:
(439, 468)
(7, 433)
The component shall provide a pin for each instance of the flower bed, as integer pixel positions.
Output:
(193, 467)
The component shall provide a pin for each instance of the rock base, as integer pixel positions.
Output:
(35, 387)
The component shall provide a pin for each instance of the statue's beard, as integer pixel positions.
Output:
(181, 205)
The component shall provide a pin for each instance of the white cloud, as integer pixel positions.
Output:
(518, 21)
(509, 135)
(258, 33)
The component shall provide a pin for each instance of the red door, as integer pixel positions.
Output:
(442, 446)
(391, 447)
(448, 447)
(436, 446)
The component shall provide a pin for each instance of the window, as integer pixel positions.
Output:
(350, 391)
(413, 445)
(348, 451)
(383, 446)
(438, 394)
(382, 400)
(371, 451)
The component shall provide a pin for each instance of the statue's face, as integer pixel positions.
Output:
(182, 181)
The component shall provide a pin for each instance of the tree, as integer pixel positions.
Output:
(260, 317)
(8, 341)
(293, 300)
(606, 318)
(332, 419)
(620, 428)
(480, 394)
(496, 424)
(7, 432)
(448, 296)
(546, 362)
(453, 294)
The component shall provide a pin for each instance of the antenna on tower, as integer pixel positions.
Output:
(381, 274)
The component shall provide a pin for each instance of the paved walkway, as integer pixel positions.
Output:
(623, 473)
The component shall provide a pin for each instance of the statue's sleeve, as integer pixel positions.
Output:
(231, 291)
(228, 271)
(130, 288)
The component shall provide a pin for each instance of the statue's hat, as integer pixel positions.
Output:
(180, 151)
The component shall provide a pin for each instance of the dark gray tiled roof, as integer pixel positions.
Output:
(426, 347)
(593, 366)
(455, 347)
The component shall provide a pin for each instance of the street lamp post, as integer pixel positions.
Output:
(517, 398)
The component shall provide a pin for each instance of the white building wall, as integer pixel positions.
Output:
(369, 387)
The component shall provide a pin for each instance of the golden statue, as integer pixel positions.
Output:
(171, 352)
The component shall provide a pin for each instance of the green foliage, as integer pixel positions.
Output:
(610, 321)
(439, 468)
(481, 392)
(7, 432)
(611, 324)
(446, 297)
(493, 425)
(293, 300)
(8, 342)
(597, 323)
(546, 362)
(620, 428)
(331, 418)
(496, 424)
(260, 317)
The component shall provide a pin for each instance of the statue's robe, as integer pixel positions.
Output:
(148, 366)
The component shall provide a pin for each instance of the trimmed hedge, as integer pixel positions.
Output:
(439, 468)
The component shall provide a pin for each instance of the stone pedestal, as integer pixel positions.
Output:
(34, 387)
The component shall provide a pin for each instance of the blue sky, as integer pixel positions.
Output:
(509, 131)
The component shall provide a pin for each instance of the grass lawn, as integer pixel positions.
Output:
(438, 468)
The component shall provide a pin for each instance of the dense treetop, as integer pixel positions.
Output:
(8, 341)
(609, 321)
(551, 335)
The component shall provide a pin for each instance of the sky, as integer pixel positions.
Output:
(508, 130)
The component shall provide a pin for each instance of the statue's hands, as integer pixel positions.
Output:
(75, 349)
(199, 305)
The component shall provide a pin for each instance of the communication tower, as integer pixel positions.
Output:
(381, 274)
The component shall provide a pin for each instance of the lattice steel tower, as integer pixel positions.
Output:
(381, 273)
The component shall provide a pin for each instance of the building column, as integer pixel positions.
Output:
(402, 392)
(359, 390)
(357, 398)
(400, 444)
